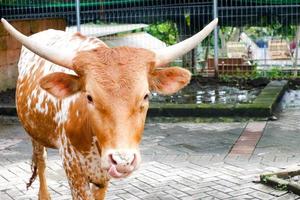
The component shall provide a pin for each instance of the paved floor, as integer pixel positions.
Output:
(180, 161)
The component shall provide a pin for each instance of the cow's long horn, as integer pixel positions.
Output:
(168, 54)
(60, 58)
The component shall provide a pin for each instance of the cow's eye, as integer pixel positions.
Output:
(89, 98)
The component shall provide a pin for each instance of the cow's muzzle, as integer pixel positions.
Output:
(122, 164)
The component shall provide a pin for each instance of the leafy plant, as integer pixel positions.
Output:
(264, 178)
(165, 31)
(282, 187)
(187, 17)
(274, 73)
(271, 74)
(224, 78)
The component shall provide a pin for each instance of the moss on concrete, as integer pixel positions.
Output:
(263, 106)
(282, 181)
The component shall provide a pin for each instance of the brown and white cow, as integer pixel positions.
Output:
(90, 101)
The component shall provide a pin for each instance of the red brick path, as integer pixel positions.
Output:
(247, 141)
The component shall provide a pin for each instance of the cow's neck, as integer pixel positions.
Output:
(82, 143)
(77, 128)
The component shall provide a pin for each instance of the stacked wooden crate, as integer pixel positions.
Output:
(236, 50)
(10, 48)
(279, 50)
(229, 66)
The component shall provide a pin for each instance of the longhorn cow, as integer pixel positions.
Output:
(76, 94)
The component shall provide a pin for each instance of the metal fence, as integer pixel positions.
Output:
(259, 34)
(252, 33)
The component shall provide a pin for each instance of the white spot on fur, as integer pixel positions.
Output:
(62, 115)
(38, 105)
(28, 103)
(42, 97)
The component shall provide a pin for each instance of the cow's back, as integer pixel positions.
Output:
(41, 114)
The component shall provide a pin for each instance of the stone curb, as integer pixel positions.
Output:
(280, 180)
(263, 106)
(8, 110)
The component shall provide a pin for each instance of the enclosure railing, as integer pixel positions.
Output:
(249, 23)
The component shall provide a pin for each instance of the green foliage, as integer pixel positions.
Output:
(256, 74)
(264, 178)
(275, 29)
(279, 186)
(225, 78)
(187, 17)
(166, 31)
(228, 32)
(282, 30)
(282, 187)
(274, 73)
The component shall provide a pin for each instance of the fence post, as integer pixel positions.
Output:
(215, 11)
(78, 15)
(295, 63)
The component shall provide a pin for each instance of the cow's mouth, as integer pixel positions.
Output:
(114, 173)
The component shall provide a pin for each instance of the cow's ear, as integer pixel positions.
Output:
(169, 80)
(61, 84)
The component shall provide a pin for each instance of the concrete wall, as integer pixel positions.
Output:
(10, 48)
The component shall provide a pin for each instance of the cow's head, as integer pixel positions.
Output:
(115, 86)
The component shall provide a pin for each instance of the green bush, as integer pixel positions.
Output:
(165, 31)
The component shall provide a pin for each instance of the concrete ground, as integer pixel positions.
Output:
(180, 161)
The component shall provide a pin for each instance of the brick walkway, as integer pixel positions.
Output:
(246, 143)
(180, 161)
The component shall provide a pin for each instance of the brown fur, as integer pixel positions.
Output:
(108, 112)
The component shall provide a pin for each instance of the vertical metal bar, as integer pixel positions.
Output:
(296, 52)
(215, 11)
(78, 15)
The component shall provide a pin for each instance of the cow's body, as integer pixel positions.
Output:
(91, 104)
(45, 118)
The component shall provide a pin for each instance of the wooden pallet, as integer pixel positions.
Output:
(279, 50)
(236, 50)
(228, 66)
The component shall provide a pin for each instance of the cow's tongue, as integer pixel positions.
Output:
(113, 172)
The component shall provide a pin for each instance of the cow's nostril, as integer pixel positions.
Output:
(112, 159)
(123, 159)
(133, 162)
